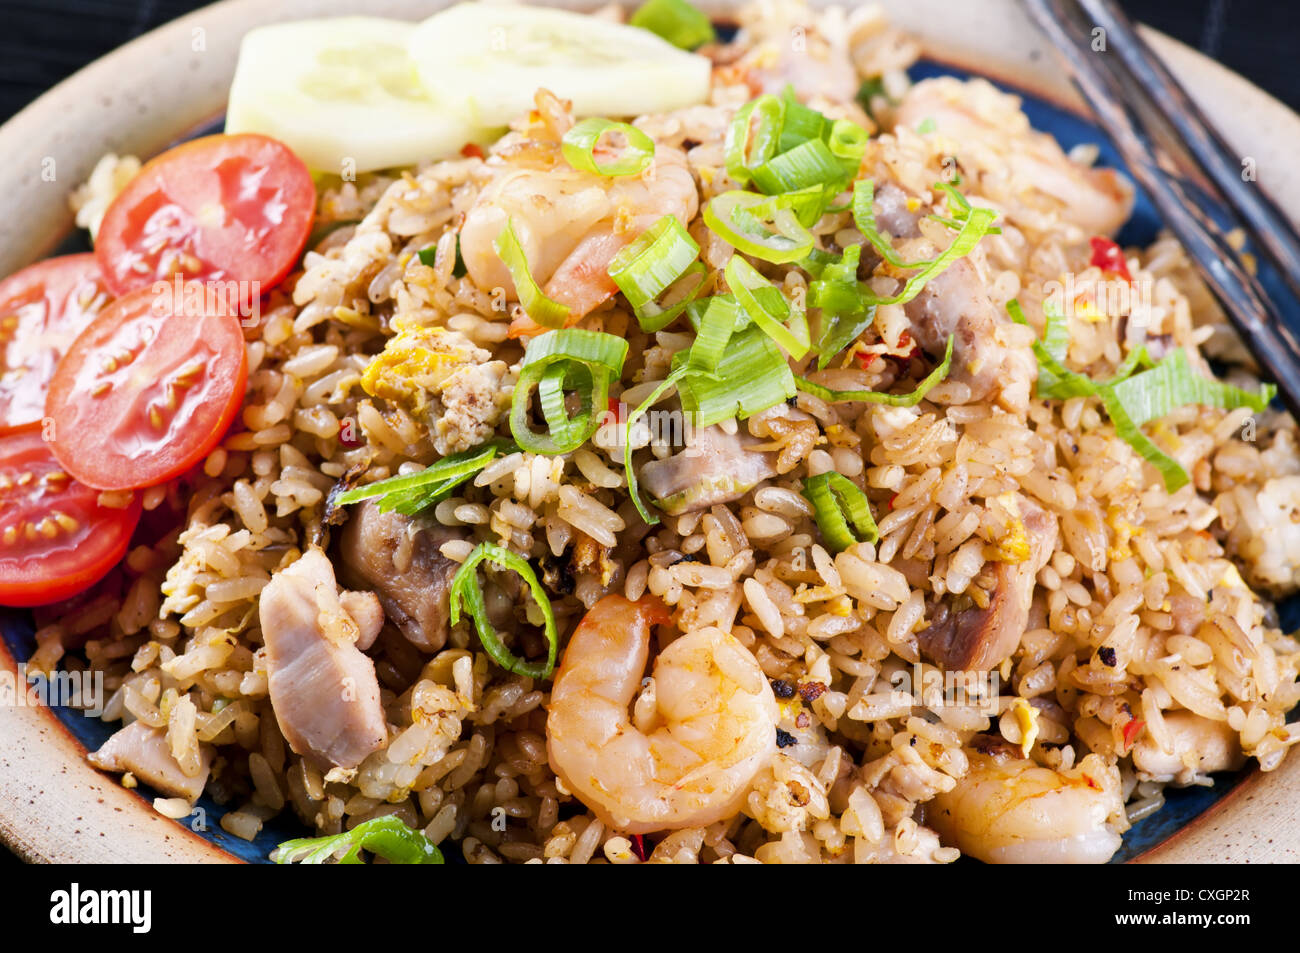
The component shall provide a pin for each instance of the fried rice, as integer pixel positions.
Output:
(1151, 606)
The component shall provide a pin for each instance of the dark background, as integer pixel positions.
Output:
(45, 40)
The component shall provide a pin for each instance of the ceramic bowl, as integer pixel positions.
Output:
(173, 82)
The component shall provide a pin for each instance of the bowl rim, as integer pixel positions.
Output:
(69, 821)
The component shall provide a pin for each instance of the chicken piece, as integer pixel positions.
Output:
(975, 639)
(144, 752)
(956, 303)
(400, 558)
(715, 467)
(323, 688)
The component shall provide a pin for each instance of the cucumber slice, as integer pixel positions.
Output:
(344, 89)
(493, 59)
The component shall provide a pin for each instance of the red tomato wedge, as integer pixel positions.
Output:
(147, 390)
(42, 309)
(55, 538)
(220, 208)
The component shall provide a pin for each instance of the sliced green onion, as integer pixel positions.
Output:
(844, 315)
(678, 22)
(848, 143)
(808, 205)
(801, 123)
(864, 216)
(659, 257)
(384, 836)
(753, 136)
(657, 315)
(837, 288)
(751, 376)
(716, 326)
(1171, 471)
(587, 360)
(811, 163)
(842, 511)
(579, 147)
(547, 313)
(633, 490)
(413, 492)
(466, 593)
(1172, 383)
(1056, 381)
(734, 216)
(875, 397)
(974, 228)
(869, 89)
(768, 313)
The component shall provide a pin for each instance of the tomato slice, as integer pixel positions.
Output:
(221, 208)
(55, 538)
(148, 389)
(42, 309)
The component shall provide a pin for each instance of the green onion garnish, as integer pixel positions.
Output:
(864, 216)
(1130, 399)
(413, 492)
(975, 227)
(875, 397)
(807, 164)
(743, 218)
(587, 362)
(466, 594)
(842, 511)
(848, 143)
(768, 312)
(632, 488)
(579, 147)
(659, 258)
(800, 123)
(1172, 383)
(752, 375)
(547, 313)
(386, 836)
(676, 21)
(838, 295)
(871, 88)
(753, 136)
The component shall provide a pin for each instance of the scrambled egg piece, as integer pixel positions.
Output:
(1014, 546)
(1026, 716)
(416, 363)
(445, 378)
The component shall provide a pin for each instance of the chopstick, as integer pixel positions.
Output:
(1272, 230)
(1134, 107)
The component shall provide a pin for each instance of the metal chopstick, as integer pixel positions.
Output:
(1131, 119)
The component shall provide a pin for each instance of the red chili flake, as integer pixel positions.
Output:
(811, 691)
(1131, 732)
(864, 359)
(638, 847)
(1109, 257)
(472, 150)
(892, 499)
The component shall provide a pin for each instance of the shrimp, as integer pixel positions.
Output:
(570, 224)
(984, 122)
(1012, 811)
(705, 723)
